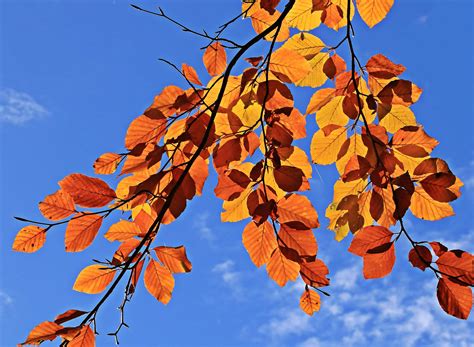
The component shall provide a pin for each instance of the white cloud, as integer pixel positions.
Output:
(18, 107)
(286, 323)
(423, 19)
(310, 342)
(5, 299)
(202, 224)
(346, 278)
(231, 278)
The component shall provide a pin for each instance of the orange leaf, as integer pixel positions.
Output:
(122, 230)
(302, 240)
(368, 238)
(455, 299)
(297, 208)
(42, 332)
(310, 302)
(281, 269)
(81, 232)
(314, 273)
(107, 163)
(191, 74)
(373, 11)
(288, 65)
(57, 206)
(87, 191)
(379, 261)
(93, 279)
(261, 20)
(174, 258)
(380, 66)
(458, 264)
(158, 281)
(259, 241)
(144, 130)
(29, 239)
(85, 338)
(215, 59)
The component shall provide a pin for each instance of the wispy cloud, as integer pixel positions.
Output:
(5, 299)
(230, 277)
(201, 223)
(18, 107)
(423, 19)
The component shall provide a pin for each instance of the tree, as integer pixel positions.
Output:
(247, 123)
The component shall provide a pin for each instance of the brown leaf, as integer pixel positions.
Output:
(420, 257)
(454, 299)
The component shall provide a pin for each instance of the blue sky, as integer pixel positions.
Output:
(75, 73)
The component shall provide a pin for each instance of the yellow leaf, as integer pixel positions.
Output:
(159, 281)
(394, 117)
(304, 44)
(316, 76)
(302, 17)
(261, 20)
(29, 239)
(249, 115)
(425, 207)
(259, 241)
(236, 210)
(332, 113)
(324, 149)
(373, 11)
(94, 279)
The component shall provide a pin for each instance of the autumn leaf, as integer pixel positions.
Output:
(297, 208)
(310, 302)
(215, 59)
(288, 65)
(94, 279)
(107, 163)
(68, 315)
(368, 238)
(85, 338)
(379, 261)
(81, 231)
(87, 191)
(373, 11)
(122, 230)
(45, 331)
(455, 299)
(174, 258)
(259, 241)
(159, 281)
(191, 74)
(282, 269)
(29, 239)
(420, 257)
(57, 206)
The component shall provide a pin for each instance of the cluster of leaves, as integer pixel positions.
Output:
(247, 124)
